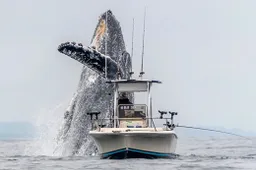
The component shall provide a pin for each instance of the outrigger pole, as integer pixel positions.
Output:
(143, 42)
(131, 72)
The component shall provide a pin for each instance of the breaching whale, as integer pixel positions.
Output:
(104, 59)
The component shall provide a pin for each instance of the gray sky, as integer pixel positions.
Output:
(203, 51)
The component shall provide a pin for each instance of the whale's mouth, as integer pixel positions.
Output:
(101, 29)
(99, 34)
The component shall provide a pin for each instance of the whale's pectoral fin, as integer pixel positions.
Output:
(91, 58)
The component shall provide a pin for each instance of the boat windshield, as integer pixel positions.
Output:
(132, 110)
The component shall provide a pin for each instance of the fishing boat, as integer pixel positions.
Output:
(133, 133)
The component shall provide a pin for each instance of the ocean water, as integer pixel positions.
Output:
(202, 153)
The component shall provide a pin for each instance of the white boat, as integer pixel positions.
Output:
(133, 133)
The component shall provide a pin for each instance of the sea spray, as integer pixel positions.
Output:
(47, 124)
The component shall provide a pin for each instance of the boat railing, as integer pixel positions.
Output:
(101, 123)
(135, 121)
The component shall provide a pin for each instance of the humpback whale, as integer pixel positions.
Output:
(104, 59)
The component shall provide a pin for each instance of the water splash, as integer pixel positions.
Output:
(48, 124)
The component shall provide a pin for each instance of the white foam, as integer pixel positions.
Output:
(92, 78)
(48, 124)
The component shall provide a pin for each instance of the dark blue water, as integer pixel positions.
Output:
(203, 153)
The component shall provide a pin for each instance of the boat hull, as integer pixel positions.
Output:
(135, 153)
(135, 144)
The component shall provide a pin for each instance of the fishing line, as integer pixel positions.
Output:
(212, 130)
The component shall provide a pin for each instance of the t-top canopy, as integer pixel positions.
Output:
(132, 85)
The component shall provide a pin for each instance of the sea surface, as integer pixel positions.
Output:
(202, 153)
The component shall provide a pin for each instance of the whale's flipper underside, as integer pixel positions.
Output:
(91, 58)
(93, 93)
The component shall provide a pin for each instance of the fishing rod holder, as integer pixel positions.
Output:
(141, 73)
(162, 113)
(93, 113)
(91, 116)
(172, 115)
(131, 73)
(168, 124)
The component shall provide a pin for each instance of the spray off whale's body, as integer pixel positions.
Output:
(93, 93)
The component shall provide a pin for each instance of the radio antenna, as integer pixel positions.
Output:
(131, 72)
(143, 42)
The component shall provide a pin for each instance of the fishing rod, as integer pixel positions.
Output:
(130, 71)
(211, 130)
(132, 38)
(172, 125)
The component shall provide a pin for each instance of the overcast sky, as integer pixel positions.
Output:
(202, 50)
